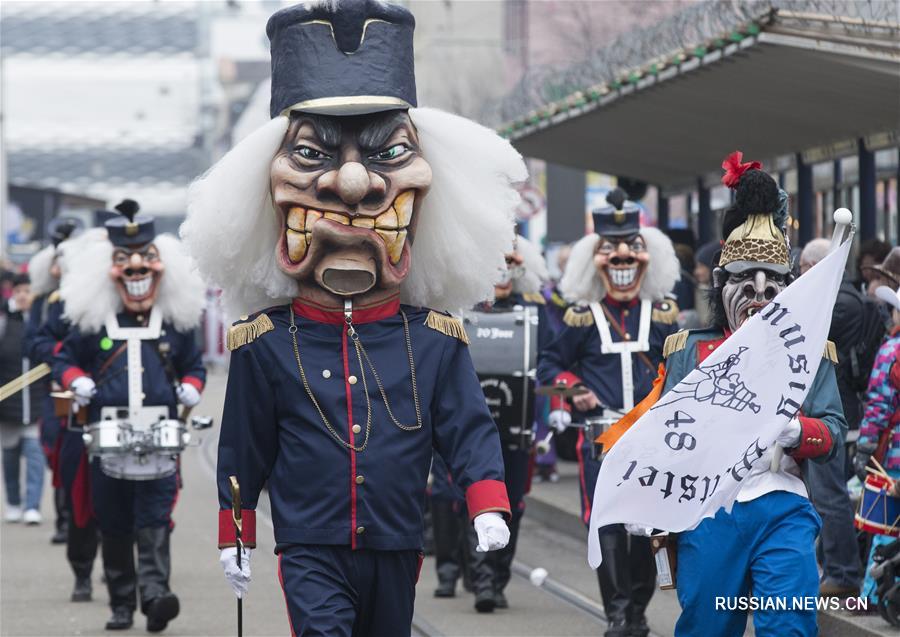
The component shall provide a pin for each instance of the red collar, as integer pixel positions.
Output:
(620, 304)
(361, 314)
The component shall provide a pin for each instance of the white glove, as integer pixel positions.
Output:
(492, 531)
(187, 395)
(84, 389)
(238, 578)
(790, 436)
(559, 419)
(639, 529)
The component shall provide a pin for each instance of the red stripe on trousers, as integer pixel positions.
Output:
(284, 592)
(584, 495)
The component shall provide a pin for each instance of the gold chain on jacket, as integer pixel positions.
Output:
(360, 355)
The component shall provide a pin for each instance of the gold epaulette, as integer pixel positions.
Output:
(830, 352)
(665, 311)
(578, 316)
(242, 333)
(54, 297)
(534, 297)
(675, 343)
(446, 324)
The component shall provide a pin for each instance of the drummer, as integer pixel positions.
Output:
(519, 287)
(611, 346)
(130, 280)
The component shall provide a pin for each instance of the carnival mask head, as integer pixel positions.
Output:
(136, 267)
(348, 190)
(754, 265)
(621, 256)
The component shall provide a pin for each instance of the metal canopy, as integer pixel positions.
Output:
(769, 95)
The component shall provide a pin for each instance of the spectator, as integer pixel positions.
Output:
(18, 414)
(878, 265)
(828, 481)
(878, 434)
(704, 261)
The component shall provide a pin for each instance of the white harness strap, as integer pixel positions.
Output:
(133, 337)
(625, 349)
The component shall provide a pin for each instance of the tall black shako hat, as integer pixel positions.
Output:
(619, 217)
(62, 229)
(343, 57)
(130, 229)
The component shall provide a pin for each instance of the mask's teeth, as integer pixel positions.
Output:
(394, 241)
(387, 220)
(339, 218)
(312, 216)
(403, 204)
(296, 219)
(296, 246)
(363, 222)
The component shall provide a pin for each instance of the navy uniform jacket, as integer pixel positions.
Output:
(321, 491)
(821, 416)
(44, 335)
(574, 356)
(86, 354)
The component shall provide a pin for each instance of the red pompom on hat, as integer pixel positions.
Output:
(734, 168)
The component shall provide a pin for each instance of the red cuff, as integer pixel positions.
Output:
(815, 439)
(194, 381)
(487, 495)
(248, 528)
(71, 374)
(57, 347)
(568, 379)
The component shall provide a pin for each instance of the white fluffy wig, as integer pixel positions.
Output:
(580, 282)
(536, 272)
(463, 232)
(42, 282)
(89, 294)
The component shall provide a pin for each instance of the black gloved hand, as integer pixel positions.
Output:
(861, 460)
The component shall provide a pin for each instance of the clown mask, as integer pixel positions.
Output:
(746, 293)
(136, 272)
(621, 264)
(347, 191)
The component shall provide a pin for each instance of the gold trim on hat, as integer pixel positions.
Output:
(362, 37)
(348, 101)
(757, 239)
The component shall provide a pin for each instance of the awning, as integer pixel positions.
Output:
(793, 83)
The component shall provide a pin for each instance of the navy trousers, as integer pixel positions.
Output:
(334, 591)
(123, 506)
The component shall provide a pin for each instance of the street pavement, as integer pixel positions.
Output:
(35, 580)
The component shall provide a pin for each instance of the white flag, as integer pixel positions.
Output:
(686, 457)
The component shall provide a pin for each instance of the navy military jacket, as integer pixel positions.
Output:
(821, 416)
(86, 354)
(322, 491)
(575, 355)
(46, 329)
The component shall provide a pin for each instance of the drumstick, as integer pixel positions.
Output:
(880, 468)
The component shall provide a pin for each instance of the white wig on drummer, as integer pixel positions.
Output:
(463, 232)
(90, 294)
(42, 282)
(580, 282)
(536, 272)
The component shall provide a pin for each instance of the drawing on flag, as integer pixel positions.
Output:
(687, 456)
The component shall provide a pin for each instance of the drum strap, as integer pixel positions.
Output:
(625, 348)
(112, 359)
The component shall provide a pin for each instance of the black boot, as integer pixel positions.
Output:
(154, 566)
(502, 561)
(60, 536)
(481, 571)
(643, 584)
(615, 582)
(118, 566)
(81, 550)
(446, 524)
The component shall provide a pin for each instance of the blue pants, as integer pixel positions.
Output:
(764, 548)
(123, 506)
(30, 449)
(334, 591)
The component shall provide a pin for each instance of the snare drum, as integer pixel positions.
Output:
(150, 466)
(879, 512)
(594, 427)
(169, 436)
(107, 438)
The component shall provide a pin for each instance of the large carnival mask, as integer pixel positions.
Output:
(136, 272)
(746, 293)
(348, 191)
(621, 263)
